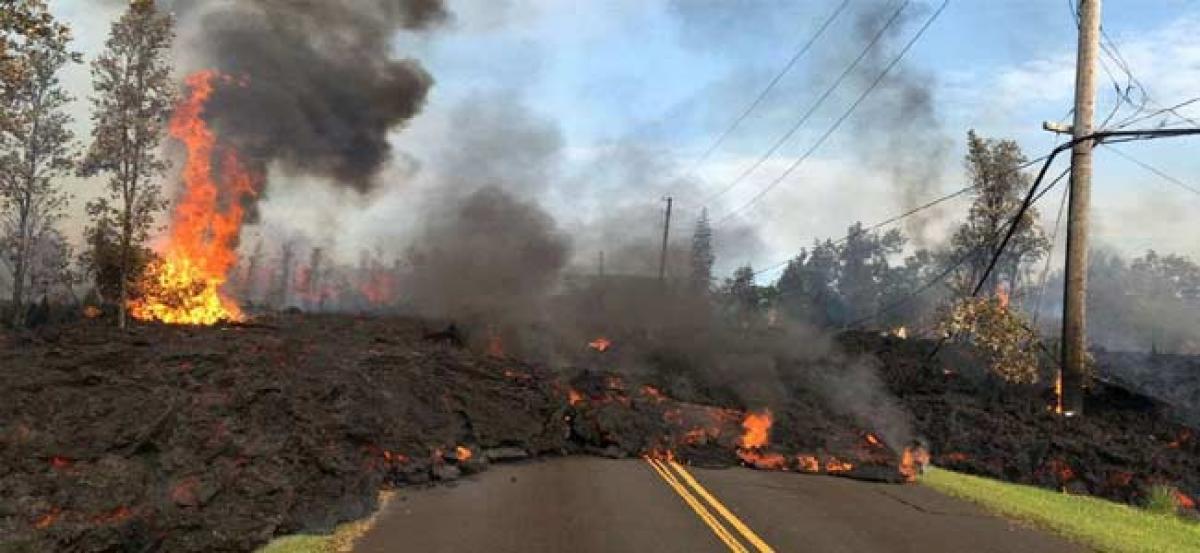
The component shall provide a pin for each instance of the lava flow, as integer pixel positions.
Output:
(757, 428)
(184, 285)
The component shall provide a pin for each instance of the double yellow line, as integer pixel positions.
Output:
(680, 480)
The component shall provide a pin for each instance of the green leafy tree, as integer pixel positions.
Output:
(36, 147)
(133, 97)
(999, 188)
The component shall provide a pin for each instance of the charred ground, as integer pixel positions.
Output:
(198, 439)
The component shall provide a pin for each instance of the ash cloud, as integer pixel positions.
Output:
(322, 87)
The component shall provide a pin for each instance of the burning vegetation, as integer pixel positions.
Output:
(185, 284)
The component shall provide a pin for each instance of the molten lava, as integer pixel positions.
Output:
(462, 454)
(913, 462)
(184, 285)
(756, 437)
(600, 344)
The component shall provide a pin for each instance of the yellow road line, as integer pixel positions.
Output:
(705, 516)
(749, 534)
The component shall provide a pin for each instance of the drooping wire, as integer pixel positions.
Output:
(838, 123)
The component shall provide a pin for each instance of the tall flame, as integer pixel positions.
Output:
(184, 286)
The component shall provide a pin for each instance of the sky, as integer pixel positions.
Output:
(626, 95)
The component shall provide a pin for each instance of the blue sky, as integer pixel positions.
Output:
(664, 77)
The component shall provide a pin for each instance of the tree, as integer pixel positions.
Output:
(35, 146)
(702, 254)
(133, 98)
(999, 185)
(742, 296)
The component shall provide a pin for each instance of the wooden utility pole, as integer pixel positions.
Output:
(662, 260)
(1074, 338)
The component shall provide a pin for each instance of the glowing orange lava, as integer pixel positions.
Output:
(757, 428)
(184, 286)
(462, 453)
(913, 462)
(600, 344)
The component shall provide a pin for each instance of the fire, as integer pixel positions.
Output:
(808, 463)
(600, 344)
(1002, 296)
(574, 397)
(653, 393)
(1058, 393)
(872, 440)
(913, 462)
(833, 464)
(48, 519)
(120, 514)
(756, 436)
(901, 333)
(184, 286)
(1182, 500)
(757, 428)
(462, 454)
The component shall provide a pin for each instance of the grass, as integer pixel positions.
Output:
(341, 541)
(1101, 525)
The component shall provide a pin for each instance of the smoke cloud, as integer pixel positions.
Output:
(898, 130)
(321, 89)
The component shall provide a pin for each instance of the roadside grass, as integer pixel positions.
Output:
(340, 541)
(1095, 523)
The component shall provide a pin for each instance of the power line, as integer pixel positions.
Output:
(811, 109)
(1155, 170)
(770, 86)
(844, 116)
(910, 212)
(979, 249)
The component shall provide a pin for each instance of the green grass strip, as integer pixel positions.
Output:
(1096, 523)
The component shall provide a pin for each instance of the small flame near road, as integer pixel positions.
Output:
(755, 438)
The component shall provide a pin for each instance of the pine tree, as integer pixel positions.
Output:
(702, 254)
(133, 97)
(36, 147)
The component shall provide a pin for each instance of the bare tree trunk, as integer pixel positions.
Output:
(126, 239)
(18, 291)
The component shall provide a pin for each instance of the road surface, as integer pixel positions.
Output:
(590, 505)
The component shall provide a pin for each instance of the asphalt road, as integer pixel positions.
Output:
(591, 505)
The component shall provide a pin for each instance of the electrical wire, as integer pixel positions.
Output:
(750, 169)
(770, 86)
(838, 123)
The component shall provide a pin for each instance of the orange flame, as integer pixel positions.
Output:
(463, 454)
(913, 462)
(1002, 296)
(574, 397)
(1183, 501)
(653, 393)
(757, 428)
(871, 439)
(808, 463)
(833, 464)
(48, 519)
(184, 287)
(600, 344)
(1058, 393)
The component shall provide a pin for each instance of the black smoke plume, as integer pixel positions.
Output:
(322, 87)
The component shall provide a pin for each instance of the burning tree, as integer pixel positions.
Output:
(35, 144)
(134, 95)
